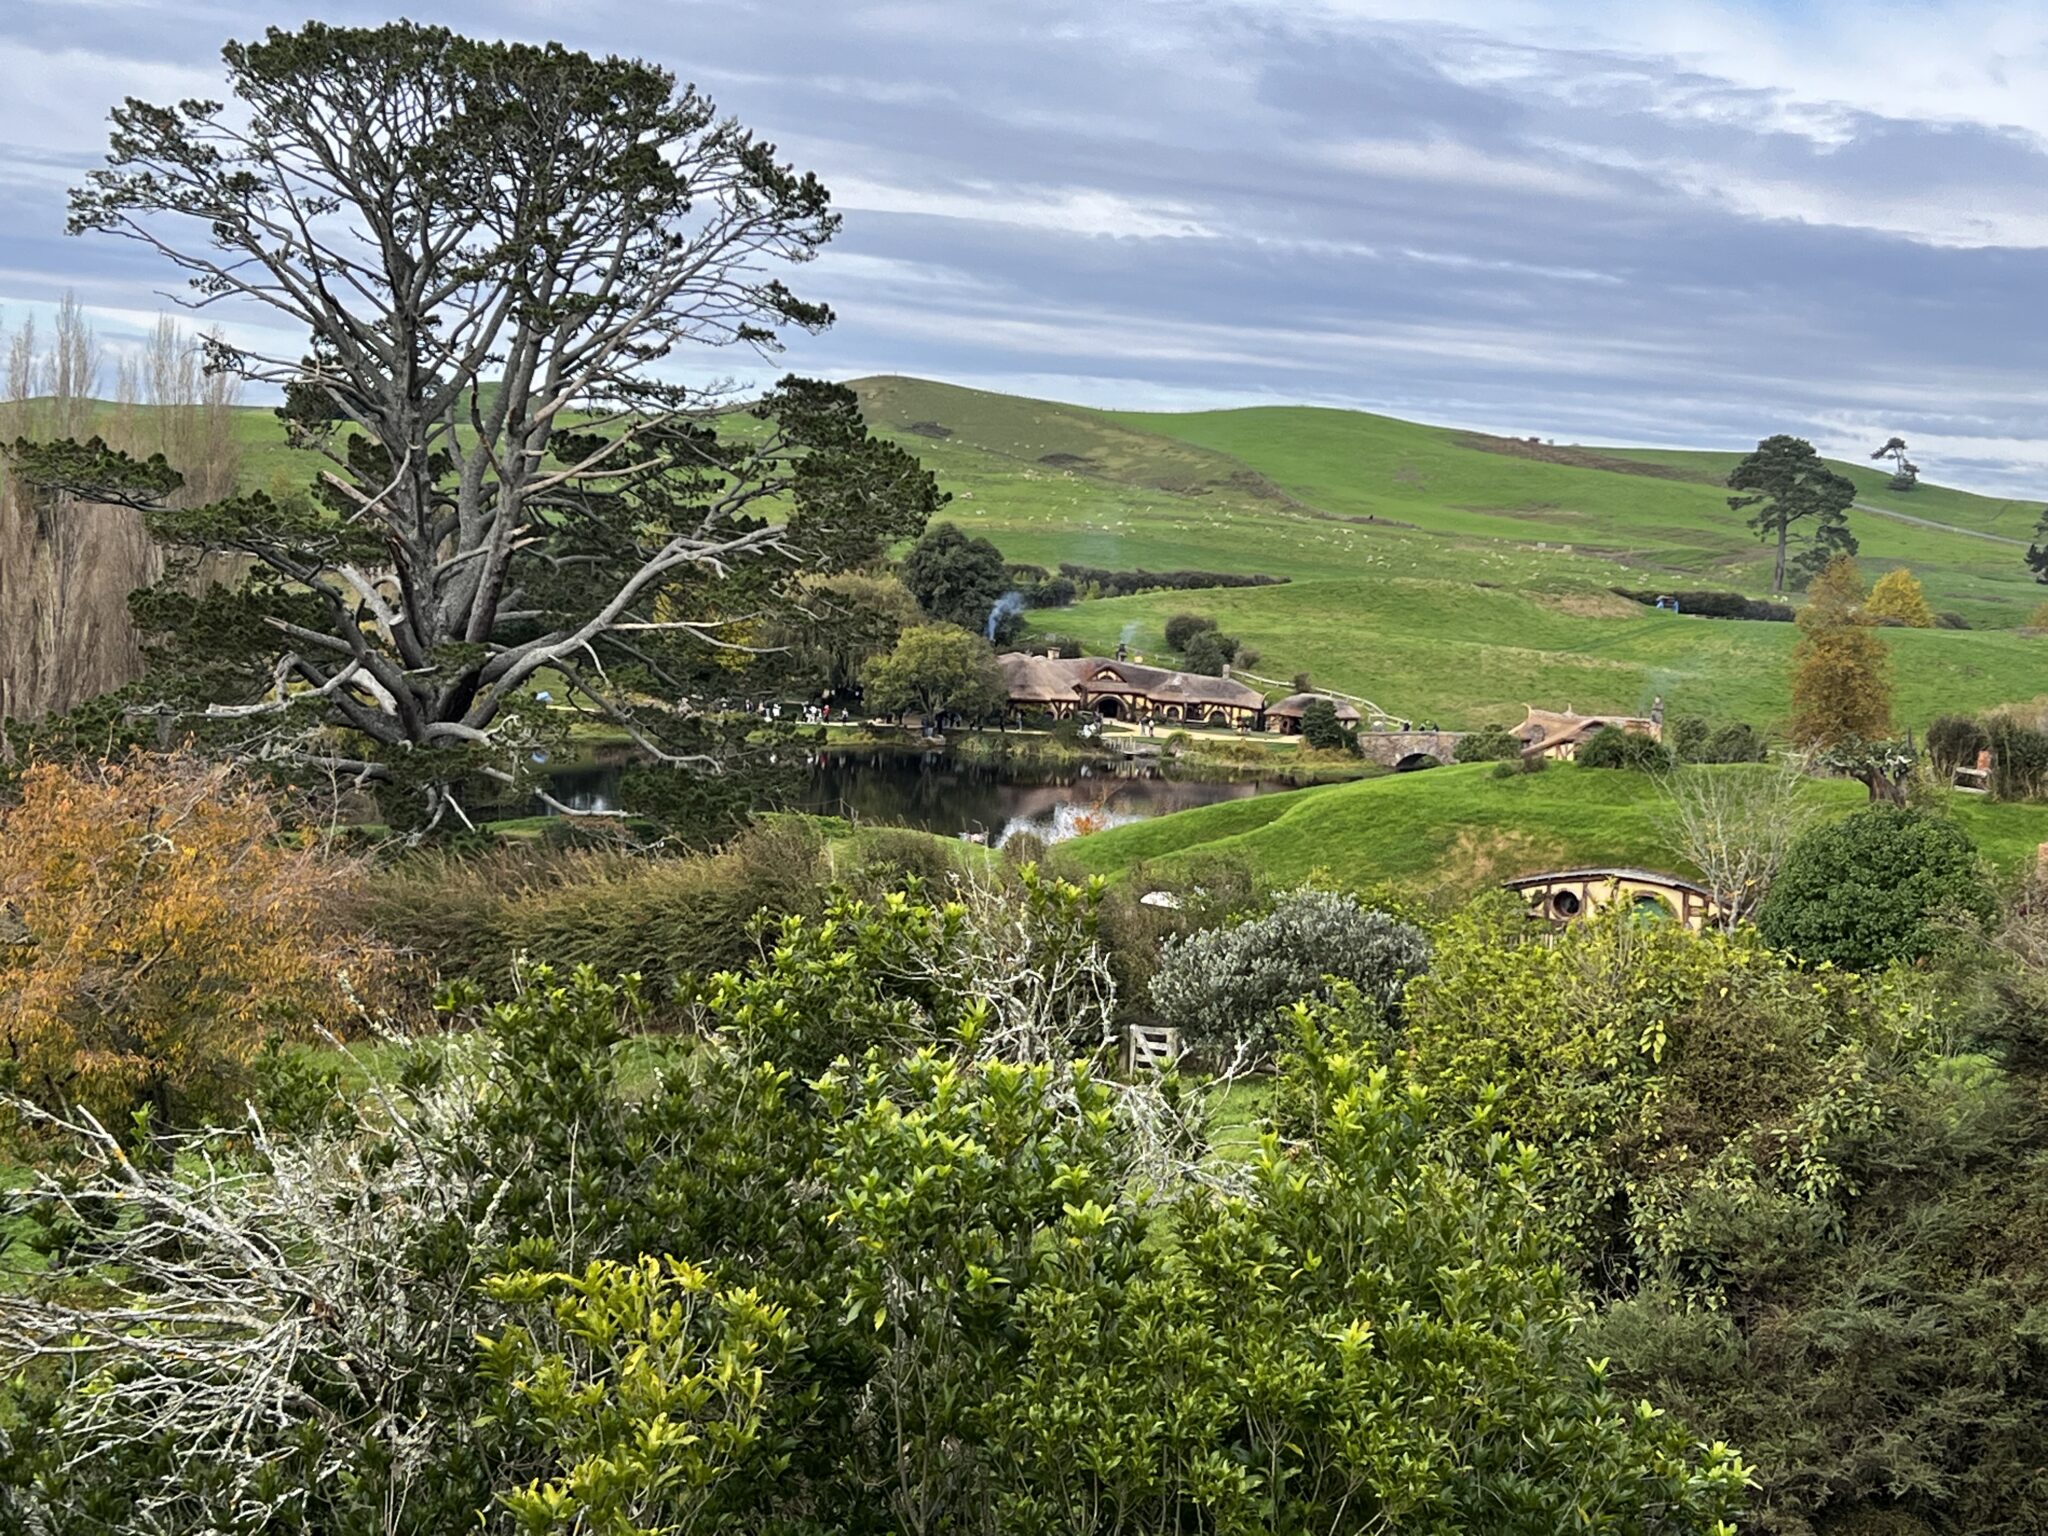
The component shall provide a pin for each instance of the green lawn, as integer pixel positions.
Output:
(1457, 829)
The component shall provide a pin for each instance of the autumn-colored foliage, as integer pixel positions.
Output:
(1841, 670)
(1897, 596)
(156, 924)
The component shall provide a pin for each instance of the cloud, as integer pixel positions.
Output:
(1674, 221)
(1087, 211)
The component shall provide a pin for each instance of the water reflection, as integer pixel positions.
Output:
(936, 792)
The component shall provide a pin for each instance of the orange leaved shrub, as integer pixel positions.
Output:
(157, 923)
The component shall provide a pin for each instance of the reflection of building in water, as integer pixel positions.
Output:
(1566, 895)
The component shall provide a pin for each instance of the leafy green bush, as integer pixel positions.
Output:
(2019, 759)
(1495, 744)
(1224, 985)
(883, 858)
(1872, 888)
(1953, 741)
(1613, 747)
(1736, 742)
(926, 1288)
(1687, 737)
(1320, 727)
(1209, 652)
(1182, 628)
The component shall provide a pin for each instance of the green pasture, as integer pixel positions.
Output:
(1467, 655)
(1457, 829)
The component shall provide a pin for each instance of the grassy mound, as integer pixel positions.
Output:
(1458, 829)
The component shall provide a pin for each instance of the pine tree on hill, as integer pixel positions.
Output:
(1798, 499)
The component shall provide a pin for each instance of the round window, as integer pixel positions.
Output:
(1565, 904)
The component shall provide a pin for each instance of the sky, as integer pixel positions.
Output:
(1682, 222)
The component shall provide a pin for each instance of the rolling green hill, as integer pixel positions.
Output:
(1445, 574)
(1459, 829)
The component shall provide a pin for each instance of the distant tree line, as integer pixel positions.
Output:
(1095, 581)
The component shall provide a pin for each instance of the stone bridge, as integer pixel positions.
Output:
(1408, 749)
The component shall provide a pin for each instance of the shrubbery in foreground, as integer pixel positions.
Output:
(844, 1267)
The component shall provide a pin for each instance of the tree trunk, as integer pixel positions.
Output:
(1778, 571)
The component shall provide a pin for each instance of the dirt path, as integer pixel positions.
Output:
(1928, 522)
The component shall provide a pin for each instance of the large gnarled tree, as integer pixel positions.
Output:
(493, 248)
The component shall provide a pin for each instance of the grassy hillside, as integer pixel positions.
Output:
(1444, 574)
(1458, 829)
(1664, 514)
(1469, 655)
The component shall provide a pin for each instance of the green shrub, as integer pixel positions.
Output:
(1185, 896)
(1182, 628)
(1613, 747)
(1687, 737)
(1209, 652)
(1737, 742)
(1320, 727)
(1873, 888)
(2019, 759)
(885, 857)
(1224, 985)
(660, 916)
(1953, 741)
(1495, 744)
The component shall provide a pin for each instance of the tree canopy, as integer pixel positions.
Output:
(1797, 499)
(961, 580)
(490, 248)
(936, 668)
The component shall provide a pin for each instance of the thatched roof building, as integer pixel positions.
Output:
(1125, 690)
(1548, 733)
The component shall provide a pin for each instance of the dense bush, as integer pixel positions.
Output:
(1321, 728)
(1874, 888)
(926, 1288)
(1814, 1233)
(157, 923)
(1225, 985)
(1953, 741)
(1183, 627)
(1736, 742)
(2019, 759)
(1106, 583)
(1495, 744)
(1716, 605)
(1613, 747)
(1209, 652)
(1687, 736)
(882, 859)
(1141, 914)
(660, 917)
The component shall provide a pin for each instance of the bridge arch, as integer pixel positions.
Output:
(1415, 762)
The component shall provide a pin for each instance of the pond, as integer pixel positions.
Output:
(936, 792)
